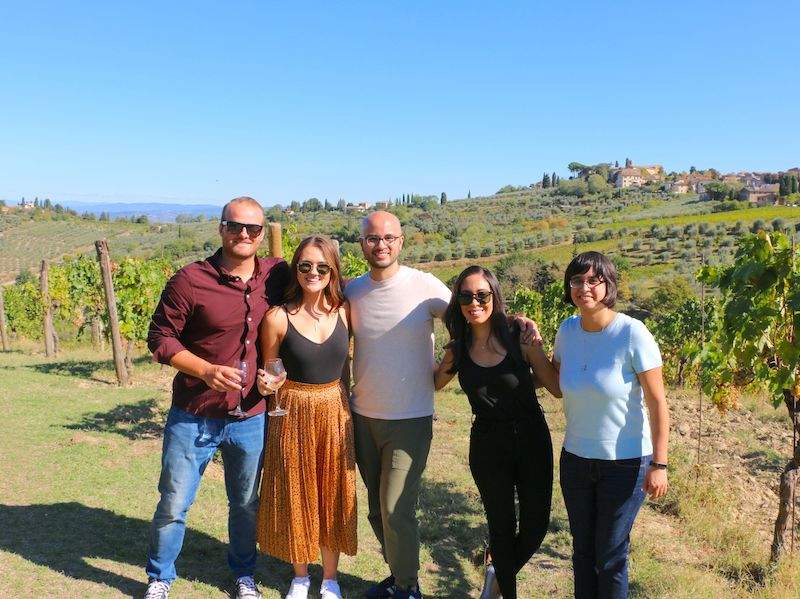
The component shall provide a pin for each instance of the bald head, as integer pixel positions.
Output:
(381, 223)
(381, 242)
(243, 200)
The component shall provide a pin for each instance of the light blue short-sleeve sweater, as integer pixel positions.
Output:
(603, 399)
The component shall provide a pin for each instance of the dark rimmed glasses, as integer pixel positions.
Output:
(234, 228)
(577, 282)
(322, 268)
(374, 240)
(482, 297)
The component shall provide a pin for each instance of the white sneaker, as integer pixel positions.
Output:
(157, 589)
(299, 588)
(330, 590)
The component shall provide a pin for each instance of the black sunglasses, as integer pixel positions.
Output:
(465, 298)
(235, 228)
(322, 268)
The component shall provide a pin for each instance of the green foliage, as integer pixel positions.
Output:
(758, 337)
(353, 265)
(547, 309)
(138, 285)
(573, 187)
(678, 329)
(24, 309)
(509, 189)
(597, 183)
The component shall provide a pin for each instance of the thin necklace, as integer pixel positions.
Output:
(316, 317)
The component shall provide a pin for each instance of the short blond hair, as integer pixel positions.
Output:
(240, 200)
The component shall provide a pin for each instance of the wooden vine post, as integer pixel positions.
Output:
(275, 240)
(3, 330)
(111, 304)
(47, 320)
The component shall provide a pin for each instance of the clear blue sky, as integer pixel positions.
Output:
(204, 101)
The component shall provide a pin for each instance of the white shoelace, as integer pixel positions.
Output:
(246, 587)
(157, 589)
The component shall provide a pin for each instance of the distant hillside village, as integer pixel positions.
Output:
(758, 189)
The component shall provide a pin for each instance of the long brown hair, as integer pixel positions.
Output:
(333, 291)
(507, 335)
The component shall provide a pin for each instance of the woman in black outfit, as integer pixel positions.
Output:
(509, 448)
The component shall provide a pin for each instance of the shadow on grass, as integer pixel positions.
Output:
(141, 420)
(445, 516)
(85, 369)
(759, 460)
(66, 536)
(445, 527)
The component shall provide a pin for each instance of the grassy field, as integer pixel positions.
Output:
(81, 462)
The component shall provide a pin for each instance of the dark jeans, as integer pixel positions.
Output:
(602, 499)
(505, 457)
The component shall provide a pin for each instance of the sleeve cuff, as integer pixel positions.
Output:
(166, 349)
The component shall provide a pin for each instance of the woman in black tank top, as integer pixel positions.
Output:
(510, 449)
(308, 500)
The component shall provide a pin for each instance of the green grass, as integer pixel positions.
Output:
(78, 488)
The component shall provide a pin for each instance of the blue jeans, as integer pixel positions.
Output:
(602, 499)
(189, 444)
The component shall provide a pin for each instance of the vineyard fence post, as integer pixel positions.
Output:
(3, 330)
(47, 319)
(111, 304)
(275, 240)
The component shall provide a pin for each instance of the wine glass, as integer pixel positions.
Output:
(275, 377)
(238, 412)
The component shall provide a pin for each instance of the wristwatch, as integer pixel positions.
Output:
(658, 465)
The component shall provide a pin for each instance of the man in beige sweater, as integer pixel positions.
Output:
(393, 308)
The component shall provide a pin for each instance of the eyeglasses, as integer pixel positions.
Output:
(578, 282)
(234, 228)
(465, 298)
(376, 239)
(322, 268)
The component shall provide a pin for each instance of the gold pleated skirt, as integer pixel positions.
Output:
(308, 495)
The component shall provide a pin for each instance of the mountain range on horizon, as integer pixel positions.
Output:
(154, 211)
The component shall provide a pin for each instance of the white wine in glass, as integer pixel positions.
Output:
(275, 377)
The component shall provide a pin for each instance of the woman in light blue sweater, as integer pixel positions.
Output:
(609, 370)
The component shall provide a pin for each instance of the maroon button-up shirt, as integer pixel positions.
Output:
(215, 315)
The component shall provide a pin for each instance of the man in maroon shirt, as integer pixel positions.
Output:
(205, 326)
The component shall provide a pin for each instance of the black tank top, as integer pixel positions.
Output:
(501, 392)
(308, 362)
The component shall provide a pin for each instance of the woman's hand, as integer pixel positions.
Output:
(261, 382)
(655, 482)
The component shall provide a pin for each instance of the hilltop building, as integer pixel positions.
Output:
(636, 176)
(678, 186)
(361, 207)
(763, 195)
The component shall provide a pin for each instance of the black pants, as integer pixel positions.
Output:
(505, 457)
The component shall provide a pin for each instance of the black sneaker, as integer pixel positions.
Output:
(385, 589)
(245, 588)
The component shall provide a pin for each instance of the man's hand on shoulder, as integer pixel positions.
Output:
(222, 378)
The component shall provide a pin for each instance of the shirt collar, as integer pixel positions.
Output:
(224, 275)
